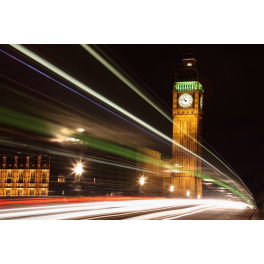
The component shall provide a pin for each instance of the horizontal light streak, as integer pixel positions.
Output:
(86, 210)
(102, 98)
(135, 89)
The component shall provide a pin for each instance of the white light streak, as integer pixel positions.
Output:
(87, 210)
(72, 139)
(115, 106)
(135, 89)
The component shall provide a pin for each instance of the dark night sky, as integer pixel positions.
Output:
(232, 78)
(233, 81)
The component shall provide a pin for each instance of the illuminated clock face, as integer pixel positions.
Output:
(185, 100)
(201, 102)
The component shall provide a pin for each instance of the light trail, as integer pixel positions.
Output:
(136, 90)
(109, 147)
(100, 97)
(195, 212)
(166, 213)
(72, 155)
(123, 79)
(97, 210)
(89, 90)
(137, 76)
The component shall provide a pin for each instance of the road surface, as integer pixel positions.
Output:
(149, 209)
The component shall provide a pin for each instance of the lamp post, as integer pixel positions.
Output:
(188, 194)
(142, 181)
(171, 189)
(78, 170)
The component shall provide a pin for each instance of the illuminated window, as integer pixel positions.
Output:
(9, 176)
(32, 178)
(61, 178)
(20, 176)
(44, 177)
(189, 64)
(43, 192)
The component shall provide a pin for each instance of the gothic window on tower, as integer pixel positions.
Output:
(32, 178)
(44, 176)
(20, 176)
(9, 176)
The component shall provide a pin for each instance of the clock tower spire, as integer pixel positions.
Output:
(187, 128)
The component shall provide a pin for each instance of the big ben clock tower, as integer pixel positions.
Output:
(187, 129)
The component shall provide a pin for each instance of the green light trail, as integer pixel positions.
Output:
(26, 122)
(110, 103)
(72, 155)
(181, 86)
(40, 126)
(220, 183)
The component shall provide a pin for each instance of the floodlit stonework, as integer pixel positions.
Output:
(187, 129)
(155, 170)
(24, 177)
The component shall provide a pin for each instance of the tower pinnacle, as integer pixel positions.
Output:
(188, 70)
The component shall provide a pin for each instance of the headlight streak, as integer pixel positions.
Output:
(106, 209)
(100, 209)
(122, 78)
(168, 213)
(72, 155)
(136, 90)
(137, 76)
(195, 212)
(133, 168)
(138, 169)
(226, 163)
(102, 98)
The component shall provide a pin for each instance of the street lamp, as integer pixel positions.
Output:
(171, 188)
(78, 170)
(142, 182)
(188, 193)
(199, 196)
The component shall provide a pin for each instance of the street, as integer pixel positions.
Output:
(149, 209)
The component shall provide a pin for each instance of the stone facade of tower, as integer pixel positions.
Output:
(155, 170)
(187, 129)
(24, 177)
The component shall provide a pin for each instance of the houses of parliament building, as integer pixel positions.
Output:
(24, 177)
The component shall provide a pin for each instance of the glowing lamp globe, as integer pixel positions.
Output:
(78, 169)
